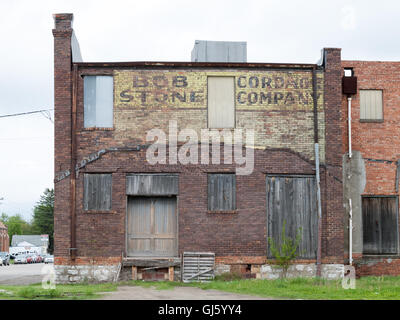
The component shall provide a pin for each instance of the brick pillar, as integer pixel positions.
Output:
(333, 226)
(62, 130)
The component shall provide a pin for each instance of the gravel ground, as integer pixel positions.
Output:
(177, 293)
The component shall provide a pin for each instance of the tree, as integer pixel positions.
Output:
(16, 225)
(43, 216)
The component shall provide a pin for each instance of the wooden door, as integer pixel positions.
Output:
(293, 199)
(152, 226)
(380, 227)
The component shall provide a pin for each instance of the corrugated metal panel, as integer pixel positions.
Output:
(152, 184)
(151, 227)
(221, 102)
(76, 51)
(371, 105)
(293, 199)
(221, 192)
(219, 51)
(198, 266)
(380, 227)
(97, 191)
(98, 101)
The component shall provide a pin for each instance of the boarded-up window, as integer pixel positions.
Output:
(221, 192)
(380, 228)
(221, 102)
(97, 191)
(371, 105)
(152, 226)
(98, 101)
(293, 200)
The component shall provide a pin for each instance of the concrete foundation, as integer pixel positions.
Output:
(85, 273)
(329, 271)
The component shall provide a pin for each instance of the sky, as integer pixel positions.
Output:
(284, 31)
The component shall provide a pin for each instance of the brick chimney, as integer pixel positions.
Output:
(62, 33)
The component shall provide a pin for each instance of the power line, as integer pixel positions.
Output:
(44, 112)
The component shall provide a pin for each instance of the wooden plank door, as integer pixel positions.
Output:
(293, 199)
(151, 226)
(380, 227)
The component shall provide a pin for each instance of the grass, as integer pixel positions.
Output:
(61, 292)
(367, 288)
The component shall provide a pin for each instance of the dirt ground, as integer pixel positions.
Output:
(177, 293)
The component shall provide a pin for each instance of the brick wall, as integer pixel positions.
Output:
(62, 130)
(376, 141)
(284, 133)
(4, 238)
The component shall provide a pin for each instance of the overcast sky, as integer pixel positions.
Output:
(275, 31)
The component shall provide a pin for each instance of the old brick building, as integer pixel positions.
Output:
(371, 174)
(115, 207)
(4, 238)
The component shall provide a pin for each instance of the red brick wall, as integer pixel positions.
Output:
(62, 131)
(4, 239)
(333, 212)
(376, 141)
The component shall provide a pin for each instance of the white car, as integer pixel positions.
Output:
(20, 259)
(49, 259)
(1, 261)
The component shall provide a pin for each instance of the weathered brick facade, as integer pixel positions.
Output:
(4, 238)
(274, 100)
(378, 143)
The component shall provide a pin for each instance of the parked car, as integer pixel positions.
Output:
(29, 259)
(19, 259)
(39, 258)
(5, 257)
(1, 261)
(49, 259)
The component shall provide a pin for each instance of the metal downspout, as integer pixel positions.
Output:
(73, 162)
(350, 205)
(317, 173)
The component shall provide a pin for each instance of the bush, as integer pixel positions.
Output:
(287, 251)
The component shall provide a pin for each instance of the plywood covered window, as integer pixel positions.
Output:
(380, 226)
(221, 192)
(292, 199)
(221, 102)
(98, 101)
(97, 192)
(371, 105)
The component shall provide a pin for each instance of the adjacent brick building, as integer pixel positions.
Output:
(114, 208)
(372, 173)
(4, 238)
